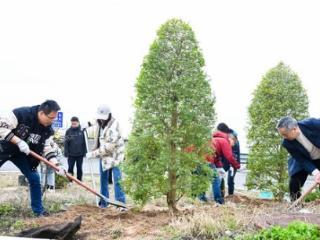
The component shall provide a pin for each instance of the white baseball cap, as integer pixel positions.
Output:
(103, 112)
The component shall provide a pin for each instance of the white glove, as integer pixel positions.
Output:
(89, 155)
(24, 147)
(221, 172)
(61, 172)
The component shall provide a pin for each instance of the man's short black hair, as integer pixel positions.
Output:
(49, 106)
(74, 119)
(224, 128)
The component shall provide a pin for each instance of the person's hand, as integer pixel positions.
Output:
(89, 155)
(61, 171)
(23, 147)
(221, 172)
(54, 161)
(237, 166)
(317, 178)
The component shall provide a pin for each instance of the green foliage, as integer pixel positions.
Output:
(18, 225)
(54, 207)
(61, 182)
(174, 110)
(11, 224)
(312, 196)
(295, 231)
(9, 214)
(280, 93)
(6, 209)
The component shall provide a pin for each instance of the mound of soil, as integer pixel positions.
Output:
(242, 199)
(109, 223)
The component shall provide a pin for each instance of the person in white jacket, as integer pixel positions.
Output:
(109, 148)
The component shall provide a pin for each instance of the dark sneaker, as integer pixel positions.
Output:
(103, 206)
(43, 214)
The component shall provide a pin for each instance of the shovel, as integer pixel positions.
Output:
(309, 190)
(90, 163)
(72, 178)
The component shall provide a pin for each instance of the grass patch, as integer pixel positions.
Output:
(216, 223)
(294, 231)
(312, 196)
(6, 209)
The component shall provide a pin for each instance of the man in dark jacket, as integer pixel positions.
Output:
(25, 129)
(75, 147)
(302, 141)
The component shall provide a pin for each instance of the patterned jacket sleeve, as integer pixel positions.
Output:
(109, 144)
(8, 122)
(51, 149)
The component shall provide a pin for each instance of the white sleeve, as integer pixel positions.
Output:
(8, 122)
(315, 172)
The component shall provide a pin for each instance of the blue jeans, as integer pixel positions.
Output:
(215, 184)
(22, 162)
(216, 188)
(104, 176)
(47, 176)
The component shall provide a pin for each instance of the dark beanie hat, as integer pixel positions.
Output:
(74, 119)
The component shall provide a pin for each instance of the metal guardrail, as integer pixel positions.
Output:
(243, 158)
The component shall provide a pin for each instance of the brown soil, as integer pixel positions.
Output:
(109, 223)
(151, 222)
(242, 199)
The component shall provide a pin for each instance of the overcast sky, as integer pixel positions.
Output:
(85, 53)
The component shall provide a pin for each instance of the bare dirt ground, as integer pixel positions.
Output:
(109, 223)
(196, 220)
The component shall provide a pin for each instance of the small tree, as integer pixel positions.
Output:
(174, 110)
(280, 93)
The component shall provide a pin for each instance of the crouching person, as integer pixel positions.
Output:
(25, 129)
(222, 145)
(109, 147)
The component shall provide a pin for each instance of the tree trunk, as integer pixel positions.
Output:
(172, 194)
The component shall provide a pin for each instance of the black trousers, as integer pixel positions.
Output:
(75, 160)
(297, 181)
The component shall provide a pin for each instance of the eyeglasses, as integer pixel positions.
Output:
(51, 118)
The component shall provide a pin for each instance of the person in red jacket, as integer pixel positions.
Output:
(222, 144)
